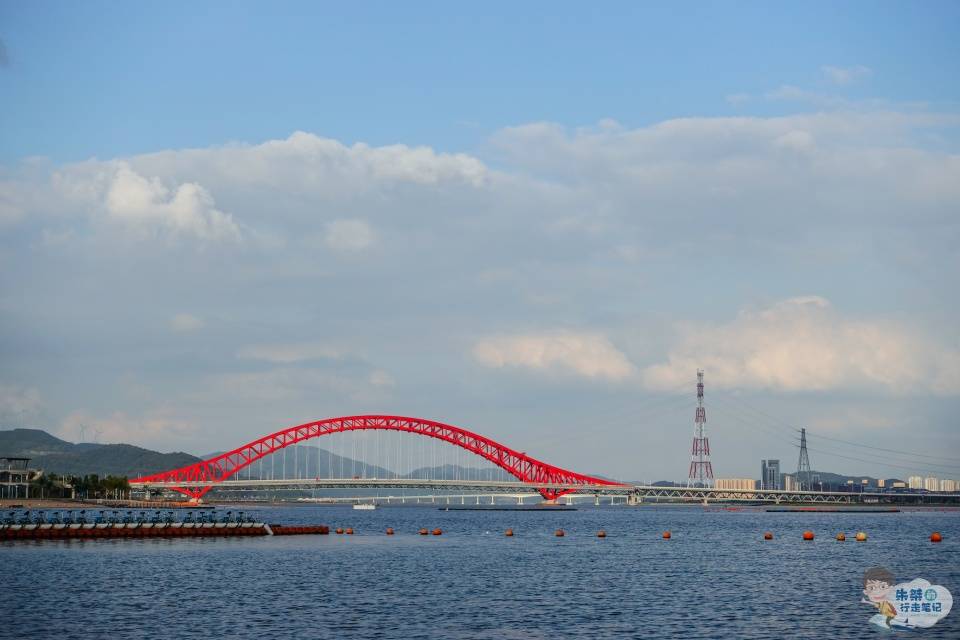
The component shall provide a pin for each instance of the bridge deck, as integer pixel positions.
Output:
(697, 494)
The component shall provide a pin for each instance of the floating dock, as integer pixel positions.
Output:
(152, 530)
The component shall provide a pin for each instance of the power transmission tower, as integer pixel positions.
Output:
(701, 471)
(803, 464)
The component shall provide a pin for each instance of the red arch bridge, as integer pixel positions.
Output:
(197, 479)
(519, 473)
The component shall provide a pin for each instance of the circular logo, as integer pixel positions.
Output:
(930, 595)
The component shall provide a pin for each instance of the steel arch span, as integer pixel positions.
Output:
(518, 464)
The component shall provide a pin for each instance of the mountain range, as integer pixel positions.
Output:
(54, 455)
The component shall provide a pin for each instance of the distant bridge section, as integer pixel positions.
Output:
(632, 493)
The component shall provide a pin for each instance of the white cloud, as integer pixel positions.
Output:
(845, 75)
(803, 344)
(18, 403)
(290, 353)
(184, 323)
(307, 163)
(147, 204)
(348, 235)
(590, 355)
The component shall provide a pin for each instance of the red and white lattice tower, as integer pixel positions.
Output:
(701, 471)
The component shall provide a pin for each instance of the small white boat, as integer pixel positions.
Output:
(365, 506)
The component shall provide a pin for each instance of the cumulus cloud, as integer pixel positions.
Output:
(348, 235)
(803, 344)
(305, 162)
(845, 75)
(147, 204)
(590, 355)
(290, 353)
(184, 323)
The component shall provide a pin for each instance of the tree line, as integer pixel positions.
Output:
(91, 486)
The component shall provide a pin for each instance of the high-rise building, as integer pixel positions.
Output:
(915, 482)
(948, 485)
(931, 483)
(881, 483)
(789, 484)
(770, 474)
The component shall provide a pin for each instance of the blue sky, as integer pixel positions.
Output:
(111, 79)
(532, 219)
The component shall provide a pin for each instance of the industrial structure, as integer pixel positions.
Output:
(804, 477)
(701, 471)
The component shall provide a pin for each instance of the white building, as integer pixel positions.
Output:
(736, 484)
(915, 482)
(948, 485)
(789, 484)
(931, 483)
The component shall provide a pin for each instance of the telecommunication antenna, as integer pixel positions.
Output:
(701, 471)
(803, 464)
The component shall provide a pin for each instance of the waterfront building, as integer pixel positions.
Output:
(15, 476)
(770, 474)
(915, 482)
(736, 484)
(931, 483)
(789, 484)
(948, 485)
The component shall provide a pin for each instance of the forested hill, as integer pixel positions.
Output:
(54, 455)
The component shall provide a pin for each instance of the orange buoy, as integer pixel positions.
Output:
(438, 531)
(389, 531)
(559, 533)
(349, 531)
(509, 533)
(936, 537)
(423, 531)
(601, 534)
(841, 536)
(339, 530)
(808, 535)
(861, 536)
(666, 535)
(768, 536)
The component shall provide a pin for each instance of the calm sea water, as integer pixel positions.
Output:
(717, 577)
